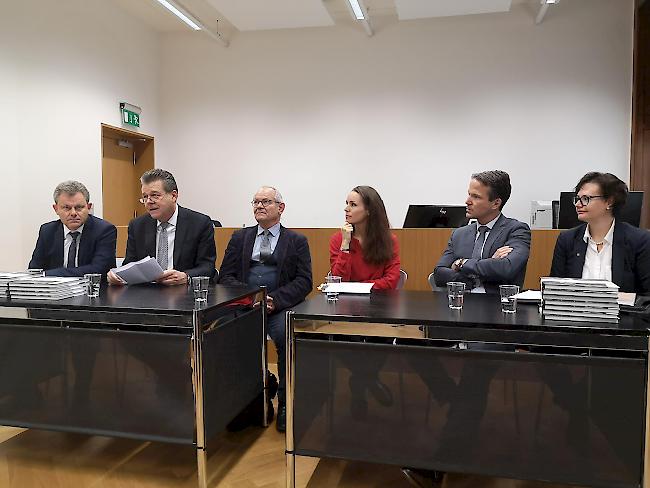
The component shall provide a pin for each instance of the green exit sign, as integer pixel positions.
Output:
(130, 118)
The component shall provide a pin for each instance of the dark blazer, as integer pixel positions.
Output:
(510, 270)
(294, 265)
(96, 248)
(630, 256)
(194, 250)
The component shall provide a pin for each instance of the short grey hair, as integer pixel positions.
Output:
(71, 187)
(169, 183)
(278, 195)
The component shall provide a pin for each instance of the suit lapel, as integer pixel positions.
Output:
(179, 236)
(281, 250)
(247, 250)
(618, 255)
(577, 259)
(84, 242)
(496, 231)
(58, 246)
(150, 237)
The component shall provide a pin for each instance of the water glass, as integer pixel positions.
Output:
(200, 287)
(332, 296)
(92, 284)
(455, 293)
(508, 299)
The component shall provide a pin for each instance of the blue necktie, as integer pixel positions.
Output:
(265, 246)
(72, 252)
(477, 253)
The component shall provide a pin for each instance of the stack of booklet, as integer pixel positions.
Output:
(6, 278)
(46, 288)
(578, 300)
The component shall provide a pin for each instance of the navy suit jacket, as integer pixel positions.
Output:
(294, 265)
(195, 252)
(630, 256)
(96, 248)
(510, 270)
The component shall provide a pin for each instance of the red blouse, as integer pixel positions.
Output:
(351, 266)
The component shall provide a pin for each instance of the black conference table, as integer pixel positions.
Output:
(141, 362)
(398, 378)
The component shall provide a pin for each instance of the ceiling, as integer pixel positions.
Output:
(230, 16)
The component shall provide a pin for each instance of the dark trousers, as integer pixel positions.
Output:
(277, 330)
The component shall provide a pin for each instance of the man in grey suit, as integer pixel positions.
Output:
(494, 250)
(483, 255)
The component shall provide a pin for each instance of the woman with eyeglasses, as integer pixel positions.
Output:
(365, 250)
(602, 247)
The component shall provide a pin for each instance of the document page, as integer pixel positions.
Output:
(144, 271)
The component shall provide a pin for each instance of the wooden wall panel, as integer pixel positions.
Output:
(419, 252)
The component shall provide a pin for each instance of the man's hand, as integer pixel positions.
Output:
(456, 265)
(113, 279)
(502, 252)
(172, 277)
(270, 304)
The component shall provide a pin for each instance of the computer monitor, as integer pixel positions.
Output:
(630, 213)
(435, 216)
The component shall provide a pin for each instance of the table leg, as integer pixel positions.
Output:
(197, 385)
(646, 447)
(290, 371)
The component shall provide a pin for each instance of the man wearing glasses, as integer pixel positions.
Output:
(181, 239)
(77, 243)
(270, 255)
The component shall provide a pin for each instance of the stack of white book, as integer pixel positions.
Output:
(46, 288)
(6, 278)
(579, 300)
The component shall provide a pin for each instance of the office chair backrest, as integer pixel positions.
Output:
(403, 276)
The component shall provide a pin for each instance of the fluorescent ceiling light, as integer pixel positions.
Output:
(548, 2)
(176, 11)
(356, 8)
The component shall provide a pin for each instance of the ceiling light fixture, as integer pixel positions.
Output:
(356, 8)
(185, 17)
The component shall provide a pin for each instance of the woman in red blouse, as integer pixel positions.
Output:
(365, 250)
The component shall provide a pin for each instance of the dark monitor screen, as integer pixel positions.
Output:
(435, 216)
(630, 213)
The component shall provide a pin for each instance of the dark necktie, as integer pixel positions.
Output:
(72, 252)
(265, 246)
(480, 241)
(163, 246)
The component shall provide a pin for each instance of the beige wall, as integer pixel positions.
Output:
(413, 110)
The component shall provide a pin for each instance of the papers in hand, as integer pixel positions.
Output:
(347, 287)
(144, 271)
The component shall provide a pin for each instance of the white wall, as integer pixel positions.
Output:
(412, 111)
(64, 68)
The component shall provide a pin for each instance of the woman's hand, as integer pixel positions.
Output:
(346, 232)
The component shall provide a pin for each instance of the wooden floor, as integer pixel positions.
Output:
(253, 458)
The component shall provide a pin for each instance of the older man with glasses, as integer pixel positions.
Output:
(268, 254)
(181, 239)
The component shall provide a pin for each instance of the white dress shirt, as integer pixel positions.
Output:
(598, 265)
(171, 234)
(67, 242)
(479, 288)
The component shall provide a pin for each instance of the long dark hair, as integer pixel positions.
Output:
(378, 242)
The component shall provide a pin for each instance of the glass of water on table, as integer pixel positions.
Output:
(508, 298)
(455, 291)
(332, 296)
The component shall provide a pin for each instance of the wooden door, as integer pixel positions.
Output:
(125, 156)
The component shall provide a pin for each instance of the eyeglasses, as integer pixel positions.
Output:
(585, 199)
(154, 197)
(265, 203)
(77, 208)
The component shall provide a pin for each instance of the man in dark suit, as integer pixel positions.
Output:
(181, 239)
(78, 243)
(271, 255)
(494, 250)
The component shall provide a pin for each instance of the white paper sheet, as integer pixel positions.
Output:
(626, 298)
(348, 287)
(529, 296)
(143, 271)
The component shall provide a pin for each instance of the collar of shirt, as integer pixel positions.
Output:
(172, 220)
(490, 224)
(67, 231)
(275, 230)
(608, 237)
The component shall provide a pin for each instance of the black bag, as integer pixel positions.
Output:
(253, 414)
(641, 308)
